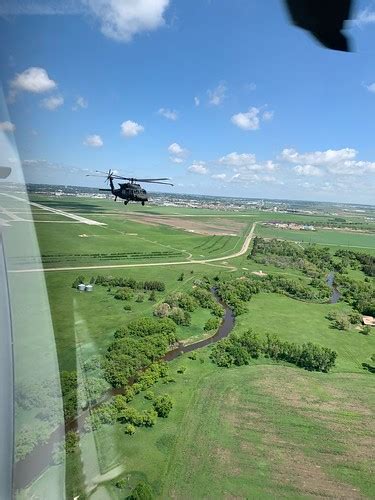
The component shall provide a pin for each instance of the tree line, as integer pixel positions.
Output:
(240, 348)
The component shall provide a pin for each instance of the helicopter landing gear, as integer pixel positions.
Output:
(126, 202)
(143, 203)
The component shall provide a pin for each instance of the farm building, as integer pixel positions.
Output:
(368, 320)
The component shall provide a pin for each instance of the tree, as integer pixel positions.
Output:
(366, 330)
(152, 296)
(342, 323)
(78, 281)
(179, 316)
(212, 324)
(129, 429)
(124, 294)
(149, 395)
(181, 277)
(162, 310)
(140, 298)
(141, 492)
(163, 405)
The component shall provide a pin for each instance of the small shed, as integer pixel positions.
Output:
(81, 287)
(88, 288)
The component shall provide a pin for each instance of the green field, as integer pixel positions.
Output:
(261, 431)
(266, 430)
(333, 238)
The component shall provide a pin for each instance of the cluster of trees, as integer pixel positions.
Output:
(359, 294)
(344, 321)
(136, 346)
(316, 291)
(120, 411)
(204, 297)
(111, 281)
(236, 292)
(78, 281)
(240, 348)
(212, 324)
(178, 305)
(352, 259)
(312, 260)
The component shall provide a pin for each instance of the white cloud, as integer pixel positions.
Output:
(308, 170)
(197, 101)
(52, 103)
(246, 167)
(175, 159)
(250, 86)
(93, 141)
(267, 116)
(328, 157)
(364, 17)
(170, 114)
(177, 152)
(176, 149)
(246, 178)
(250, 120)
(120, 20)
(334, 161)
(131, 129)
(34, 79)
(220, 177)
(7, 126)
(371, 87)
(238, 159)
(198, 168)
(247, 121)
(81, 102)
(217, 96)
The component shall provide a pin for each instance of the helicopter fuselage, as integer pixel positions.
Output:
(130, 192)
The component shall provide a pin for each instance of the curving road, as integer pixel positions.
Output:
(242, 251)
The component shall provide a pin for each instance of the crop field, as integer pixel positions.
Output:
(266, 430)
(333, 238)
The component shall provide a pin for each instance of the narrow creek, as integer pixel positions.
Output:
(32, 466)
(335, 295)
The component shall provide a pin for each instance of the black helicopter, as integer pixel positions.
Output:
(128, 191)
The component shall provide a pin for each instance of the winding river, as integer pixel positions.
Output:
(32, 466)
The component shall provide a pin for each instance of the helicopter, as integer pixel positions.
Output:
(128, 191)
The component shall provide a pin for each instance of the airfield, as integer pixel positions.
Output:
(264, 430)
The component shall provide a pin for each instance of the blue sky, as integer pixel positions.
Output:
(225, 97)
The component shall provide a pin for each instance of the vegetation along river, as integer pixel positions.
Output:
(31, 467)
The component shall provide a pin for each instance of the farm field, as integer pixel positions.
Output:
(266, 430)
(332, 238)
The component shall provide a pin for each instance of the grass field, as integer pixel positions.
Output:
(261, 431)
(333, 238)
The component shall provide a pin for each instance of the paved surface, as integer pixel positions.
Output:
(56, 211)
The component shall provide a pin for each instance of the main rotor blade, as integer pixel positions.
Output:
(153, 180)
(157, 182)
